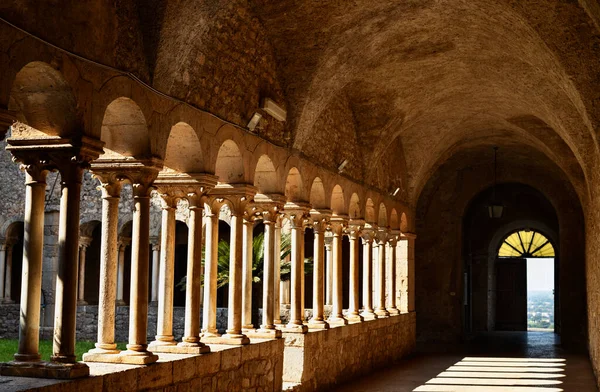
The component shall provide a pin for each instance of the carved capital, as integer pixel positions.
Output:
(354, 228)
(269, 206)
(338, 225)
(382, 235)
(236, 196)
(84, 242)
(37, 170)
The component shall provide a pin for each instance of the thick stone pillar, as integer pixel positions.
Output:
(123, 243)
(353, 231)
(296, 215)
(247, 263)
(155, 270)
(277, 271)
(166, 275)
(320, 226)
(391, 274)
(191, 334)
(140, 248)
(382, 237)
(33, 244)
(209, 317)
(329, 270)
(367, 239)
(84, 243)
(111, 185)
(338, 225)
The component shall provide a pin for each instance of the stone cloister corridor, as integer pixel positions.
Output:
(261, 195)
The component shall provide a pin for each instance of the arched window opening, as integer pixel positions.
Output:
(526, 244)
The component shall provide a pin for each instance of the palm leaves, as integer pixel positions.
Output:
(258, 249)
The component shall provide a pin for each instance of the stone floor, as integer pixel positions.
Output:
(496, 362)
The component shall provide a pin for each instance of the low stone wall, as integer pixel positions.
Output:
(255, 367)
(321, 359)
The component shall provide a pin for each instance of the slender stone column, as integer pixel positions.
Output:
(382, 237)
(33, 244)
(367, 238)
(68, 245)
(247, 261)
(407, 259)
(296, 217)
(2, 271)
(111, 189)
(140, 249)
(10, 246)
(84, 242)
(329, 270)
(277, 271)
(391, 274)
(320, 226)
(354, 235)
(191, 338)
(164, 324)
(209, 319)
(122, 244)
(155, 270)
(338, 225)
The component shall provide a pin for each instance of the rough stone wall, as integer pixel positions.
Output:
(255, 367)
(321, 359)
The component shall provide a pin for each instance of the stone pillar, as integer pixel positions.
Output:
(329, 270)
(65, 311)
(33, 244)
(191, 335)
(277, 271)
(320, 226)
(155, 270)
(166, 284)
(338, 225)
(111, 185)
(8, 273)
(138, 299)
(407, 264)
(296, 217)
(3, 247)
(84, 242)
(122, 245)
(382, 237)
(354, 235)
(270, 215)
(367, 238)
(209, 318)
(247, 264)
(391, 274)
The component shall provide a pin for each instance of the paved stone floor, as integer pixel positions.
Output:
(496, 362)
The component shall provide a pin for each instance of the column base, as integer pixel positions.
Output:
(153, 303)
(382, 313)
(393, 311)
(247, 330)
(355, 319)
(120, 302)
(368, 316)
(162, 341)
(294, 328)
(183, 348)
(232, 339)
(81, 302)
(265, 333)
(318, 325)
(43, 369)
(6, 301)
(337, 321)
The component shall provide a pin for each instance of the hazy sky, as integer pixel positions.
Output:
(540, 274)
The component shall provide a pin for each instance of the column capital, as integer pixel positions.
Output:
(297, 213)
(338, 224)
(123, 242)
(369, 232)
(382, 235)
(111, 183)
(84, 242)
(140, 173)
(393, 236)
(270, 206)
(236, 196)
(320, 220)
(155, 241)
(354, 228)
(190, 186)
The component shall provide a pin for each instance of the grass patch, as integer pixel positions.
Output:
(9, 346)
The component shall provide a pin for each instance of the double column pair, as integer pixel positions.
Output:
(38, 157)
(194, 189)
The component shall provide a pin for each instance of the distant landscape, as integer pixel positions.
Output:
(540, 311)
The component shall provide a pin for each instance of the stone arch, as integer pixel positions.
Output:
(370, 216)
(229, 166)
(354, 208)
(87, 228)
(293, 185)
(394, 220)
(44, 100)
(403, 223)
(338, 205)
(184, 152)
(317, 194)
(382, 220)
(265, 175)
(124, 130)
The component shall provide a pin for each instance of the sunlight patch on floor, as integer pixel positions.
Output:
(499, 375)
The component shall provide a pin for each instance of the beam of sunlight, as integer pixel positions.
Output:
(500, 375)
(491, 381)
(500, 359)
(474, 388)
(503, 369)
(511, 364)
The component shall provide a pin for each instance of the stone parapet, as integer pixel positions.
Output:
(323, 358)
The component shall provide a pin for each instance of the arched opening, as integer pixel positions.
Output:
(293, 185)
(180, 270)
(91, 235)
(124, 130)
(337, 201)
(317, 194)
(354, 211)
(13, 263)
(184, 153)
(265, 177)
(230, 164)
